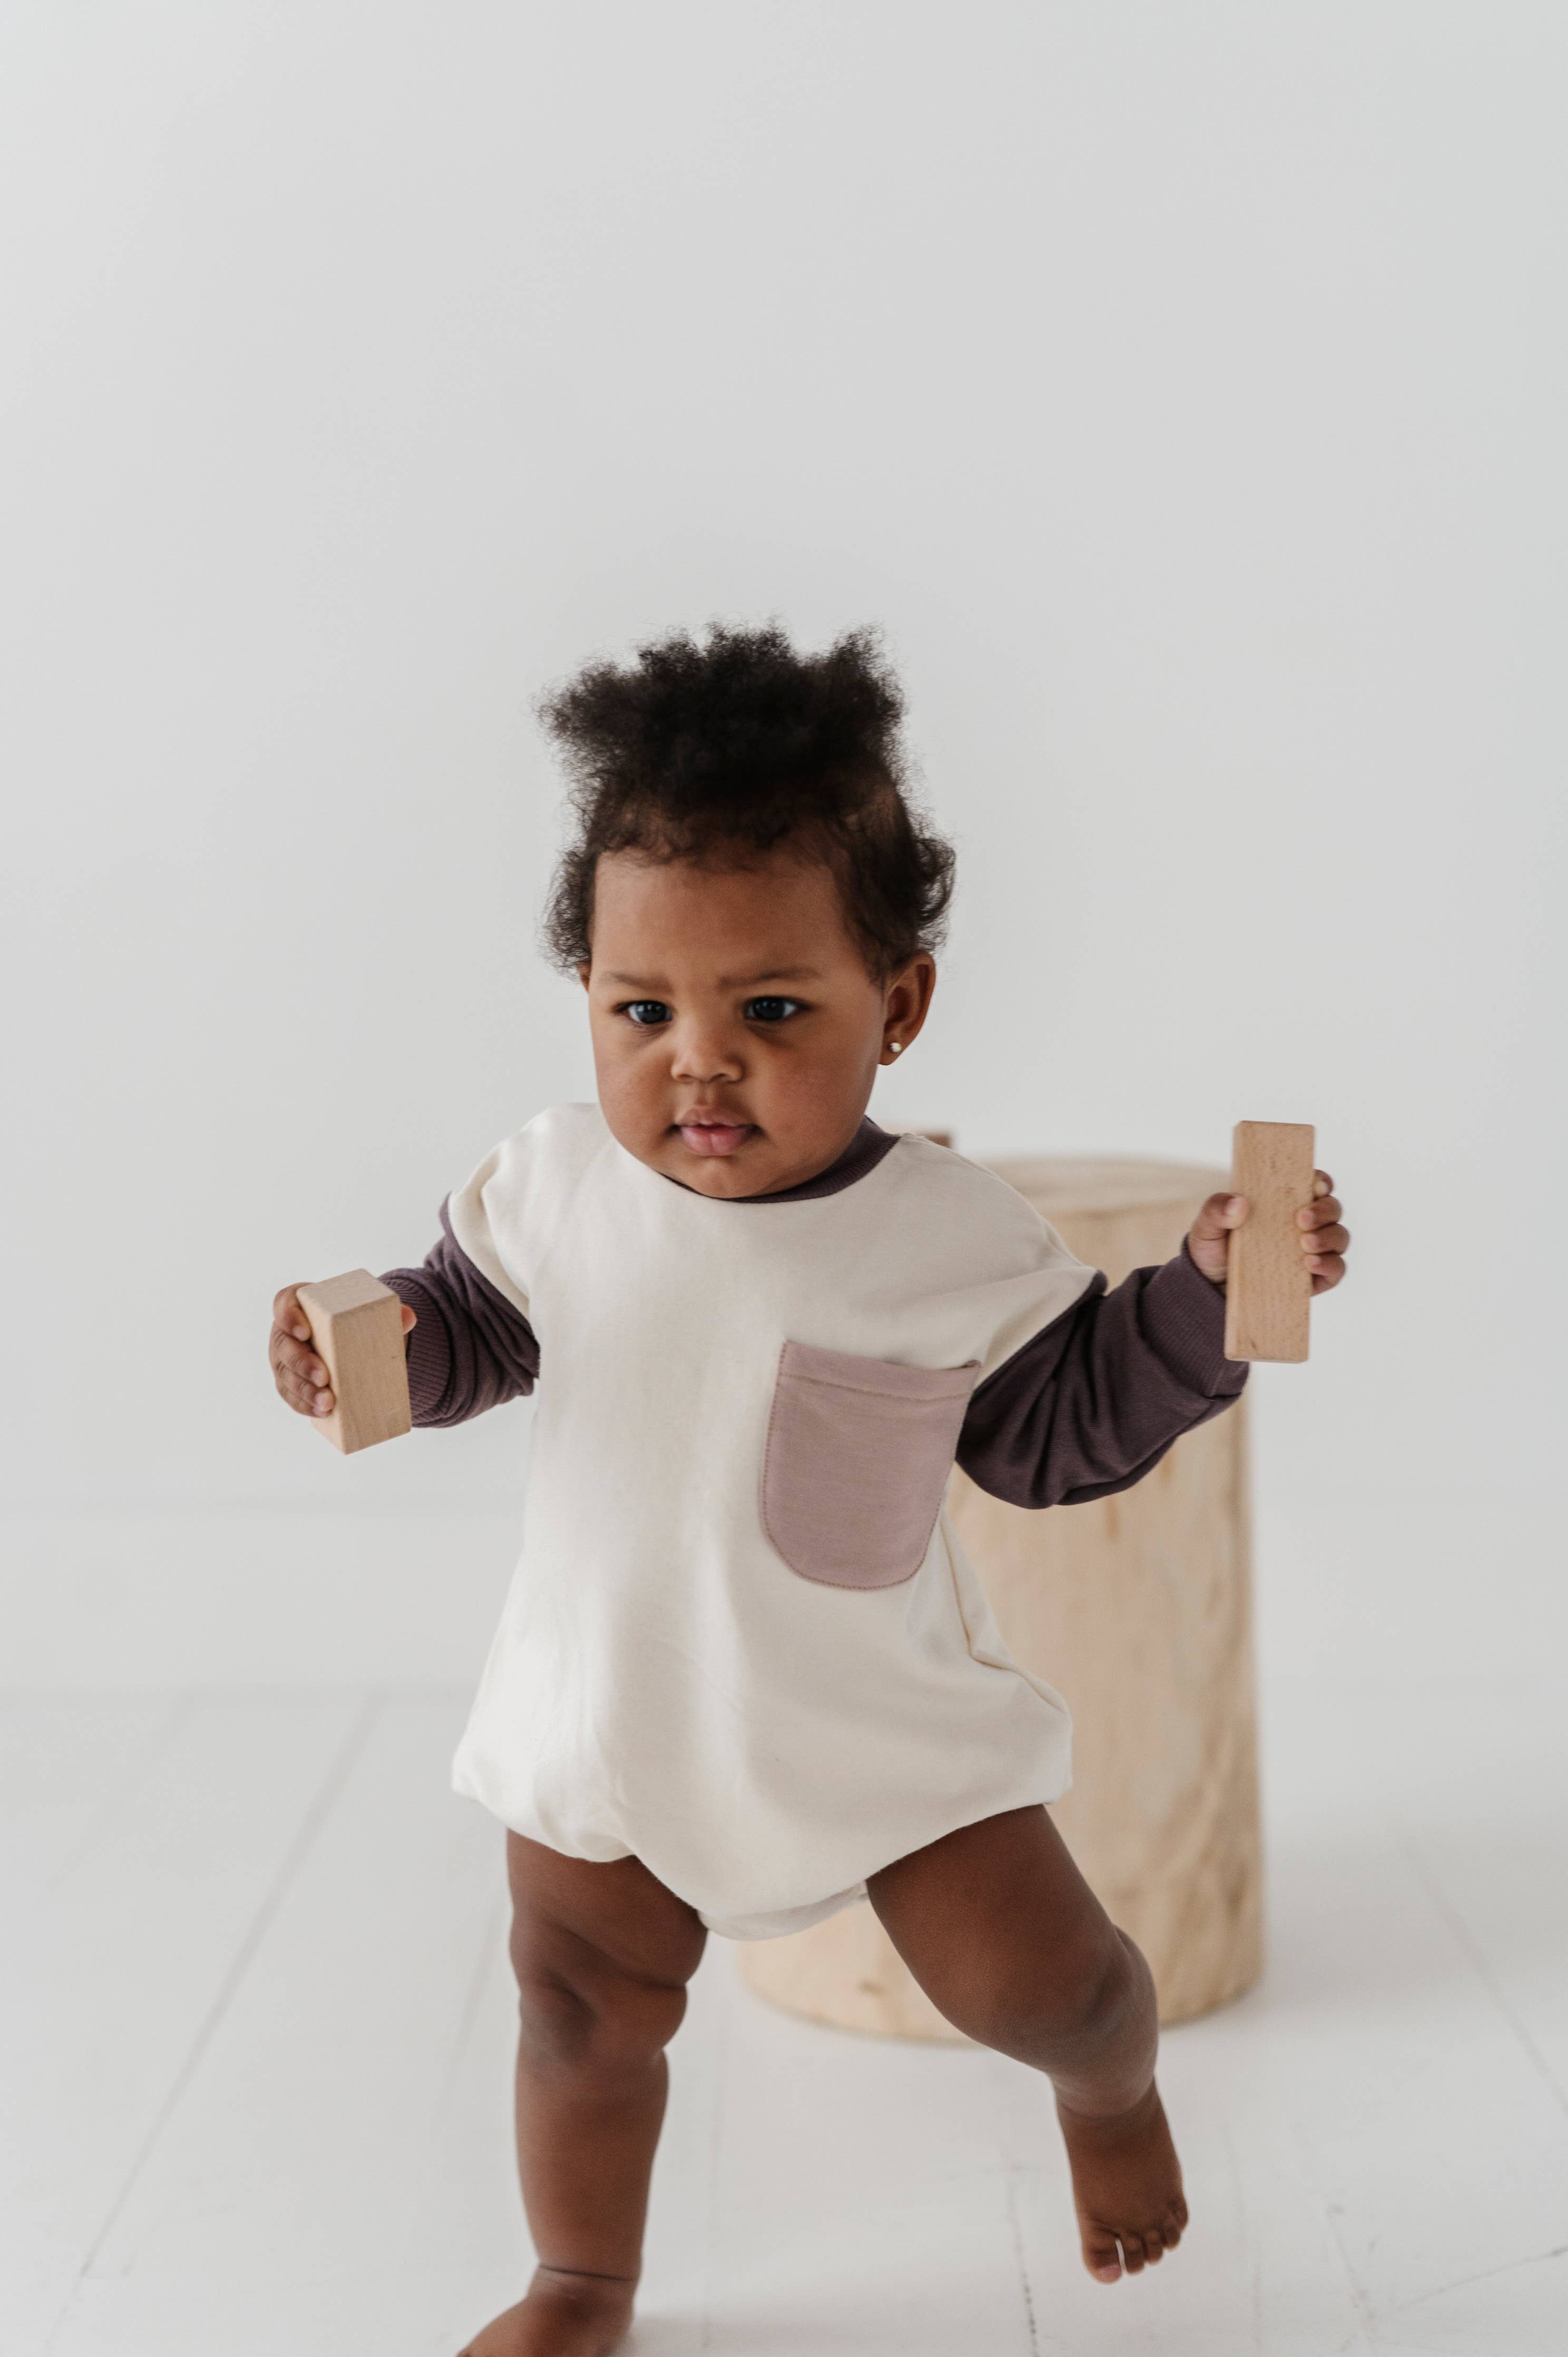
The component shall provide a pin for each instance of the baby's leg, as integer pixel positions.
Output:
(602, 1954)
(1007, 1939)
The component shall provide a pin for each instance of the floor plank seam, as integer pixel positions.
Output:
(1470, 1947)
(473, 2004)
(1482, 2275)
(311, 1824)
(726, 2001)
(1014, 2221)
(1333, 2210)
(1243, 2212)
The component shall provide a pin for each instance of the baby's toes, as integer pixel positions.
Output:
(1172, 2226)
(1154, 2242)
(1102, 2253)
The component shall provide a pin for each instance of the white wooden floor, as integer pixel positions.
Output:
(255, 2031)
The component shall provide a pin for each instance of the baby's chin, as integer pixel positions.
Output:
(748, 1162)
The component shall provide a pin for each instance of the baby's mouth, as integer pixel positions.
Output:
(703, 1135)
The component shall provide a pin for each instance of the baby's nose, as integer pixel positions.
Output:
(705, 1055)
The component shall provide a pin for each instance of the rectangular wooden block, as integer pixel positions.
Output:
(1268, 1286)
(356, 1326)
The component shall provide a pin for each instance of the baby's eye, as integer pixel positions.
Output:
(646, 1011)
(771, 1010)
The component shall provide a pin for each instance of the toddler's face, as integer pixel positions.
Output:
(736, 1027)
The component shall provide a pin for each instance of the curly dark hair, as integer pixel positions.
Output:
(719, 751)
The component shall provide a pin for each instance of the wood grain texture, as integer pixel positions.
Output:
(355, 1325)
(1268, 1287)
(1138, 1609)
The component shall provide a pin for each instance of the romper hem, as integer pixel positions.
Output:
(767, 1923)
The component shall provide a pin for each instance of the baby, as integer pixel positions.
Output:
(746, 1675)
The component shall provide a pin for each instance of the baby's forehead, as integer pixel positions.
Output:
(770, 916)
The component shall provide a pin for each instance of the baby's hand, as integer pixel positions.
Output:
(300, 1377)
(1323, 1240)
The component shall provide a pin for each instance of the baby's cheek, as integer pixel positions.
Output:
(633, 1097)
(808, 1106)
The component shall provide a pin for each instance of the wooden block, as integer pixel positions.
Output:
(1268, 1287)
(356, 1326)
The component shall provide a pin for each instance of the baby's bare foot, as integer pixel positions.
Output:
(564, 2315)
(1126, 2186)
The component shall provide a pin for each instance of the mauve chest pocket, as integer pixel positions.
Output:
(857, 1458)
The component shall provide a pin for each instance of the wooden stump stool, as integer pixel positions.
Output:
(1138, 1609)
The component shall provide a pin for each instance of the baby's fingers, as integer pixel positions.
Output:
(302, 1380)
(288, 1316)
(1324, 1237)
(300, 1376)
(1332, 1239)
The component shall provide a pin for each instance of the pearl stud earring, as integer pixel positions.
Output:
(895, 1046)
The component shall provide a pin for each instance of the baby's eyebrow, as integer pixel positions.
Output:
(776, 973)
(726, 981)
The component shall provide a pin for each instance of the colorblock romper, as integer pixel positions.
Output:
(742, 1643)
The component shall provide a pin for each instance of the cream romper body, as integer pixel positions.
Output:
(742, 1643)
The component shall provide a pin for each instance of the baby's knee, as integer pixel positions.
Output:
(583, 2014)
(1067, 2003)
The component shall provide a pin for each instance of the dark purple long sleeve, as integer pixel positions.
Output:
(1093, 1401)
(1087, 1407)
(472, 1347)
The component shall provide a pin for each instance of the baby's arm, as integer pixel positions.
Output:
(472, 1347)
(1095, 1399)
(468, 1347)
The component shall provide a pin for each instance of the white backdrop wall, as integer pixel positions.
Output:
(1181, 387)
